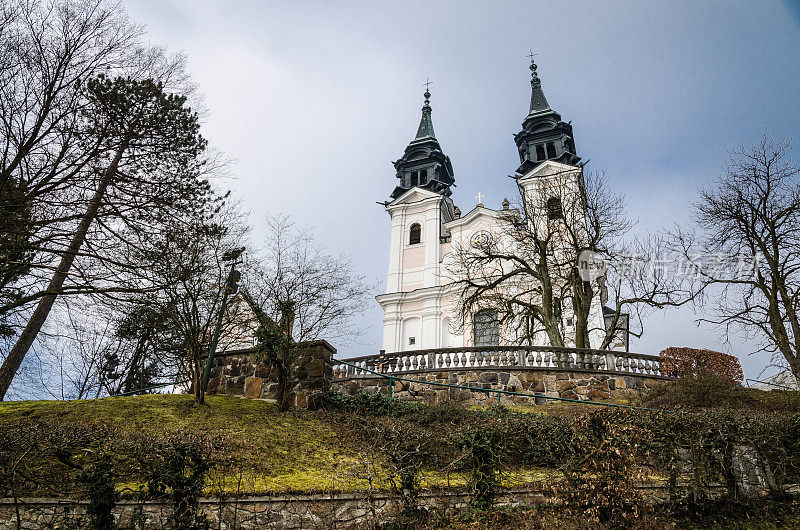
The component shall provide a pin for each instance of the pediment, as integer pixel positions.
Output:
(414, 195)
(478, 213)
(547, 168)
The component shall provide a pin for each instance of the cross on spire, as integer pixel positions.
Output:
(531, 55)
(480, 196)
(427, 84)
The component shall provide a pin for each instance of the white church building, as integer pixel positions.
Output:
(420, 302)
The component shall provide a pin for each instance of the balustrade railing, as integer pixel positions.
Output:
(521, 357)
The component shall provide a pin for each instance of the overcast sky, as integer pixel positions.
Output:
(313, 100)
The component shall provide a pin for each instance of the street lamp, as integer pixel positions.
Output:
(231, 287)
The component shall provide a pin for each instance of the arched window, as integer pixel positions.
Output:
(414, 178)
(554, 209)
(551, 150)
(447, 335)
(539, 153)
(414, 234)
(486, 328)
(423, 177)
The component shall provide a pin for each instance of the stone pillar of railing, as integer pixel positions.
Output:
(611, 361)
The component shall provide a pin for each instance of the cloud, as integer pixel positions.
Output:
(314, 100)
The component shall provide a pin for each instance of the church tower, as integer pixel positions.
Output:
(423, 163)
(419, 209)
(543, 136)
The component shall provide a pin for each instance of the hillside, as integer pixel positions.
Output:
(237, 447)
(289, 452)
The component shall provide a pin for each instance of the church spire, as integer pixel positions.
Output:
(425, 129)
(543, 136)
(423, 163)
(538, 101)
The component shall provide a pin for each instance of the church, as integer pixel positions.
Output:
(420, 304)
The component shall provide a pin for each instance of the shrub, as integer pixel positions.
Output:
(175, 468)
(704, 389)
(367, 404)
(28, 448)
(607, 454)
(98, 479)
(484, 449)
(406, 448)
(690, 362)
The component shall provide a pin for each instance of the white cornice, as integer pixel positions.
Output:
(558, 166)
(427, 196)
(416, 295)
(477, 212)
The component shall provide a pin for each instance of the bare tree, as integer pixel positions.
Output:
(147, 148)
(148, 350)
(47, 52)
(298, 292)
(186, 260)
(745, 244)
(75, 354)
(324, 291)
(530, 270)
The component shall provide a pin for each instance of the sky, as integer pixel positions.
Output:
(313, 100)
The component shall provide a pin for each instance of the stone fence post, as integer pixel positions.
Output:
(313, 373)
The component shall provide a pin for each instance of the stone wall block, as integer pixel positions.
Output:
(240, 375)
(235, 386)
(252, 387)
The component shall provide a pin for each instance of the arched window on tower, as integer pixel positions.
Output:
(414, 178)
(423, 177)
(554, 208)
(539, 153)
(551, 150)
(486, 328)
(415, 234)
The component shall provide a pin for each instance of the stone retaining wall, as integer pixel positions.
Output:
(238, 374)
(571, 384)
(284, 512)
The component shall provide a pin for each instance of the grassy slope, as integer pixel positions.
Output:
(290, 452)
(275, 453)
(279, 452)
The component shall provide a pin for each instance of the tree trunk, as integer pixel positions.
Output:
(39, 316)
(283, 389)
(197, 379)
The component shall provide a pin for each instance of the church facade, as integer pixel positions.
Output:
(421, 300)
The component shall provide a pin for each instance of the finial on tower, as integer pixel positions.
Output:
(534, 76)
(538, 101)
(425, 129)
(427, 84)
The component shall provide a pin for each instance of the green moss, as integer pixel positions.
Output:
(268, 452)
(288, 452)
